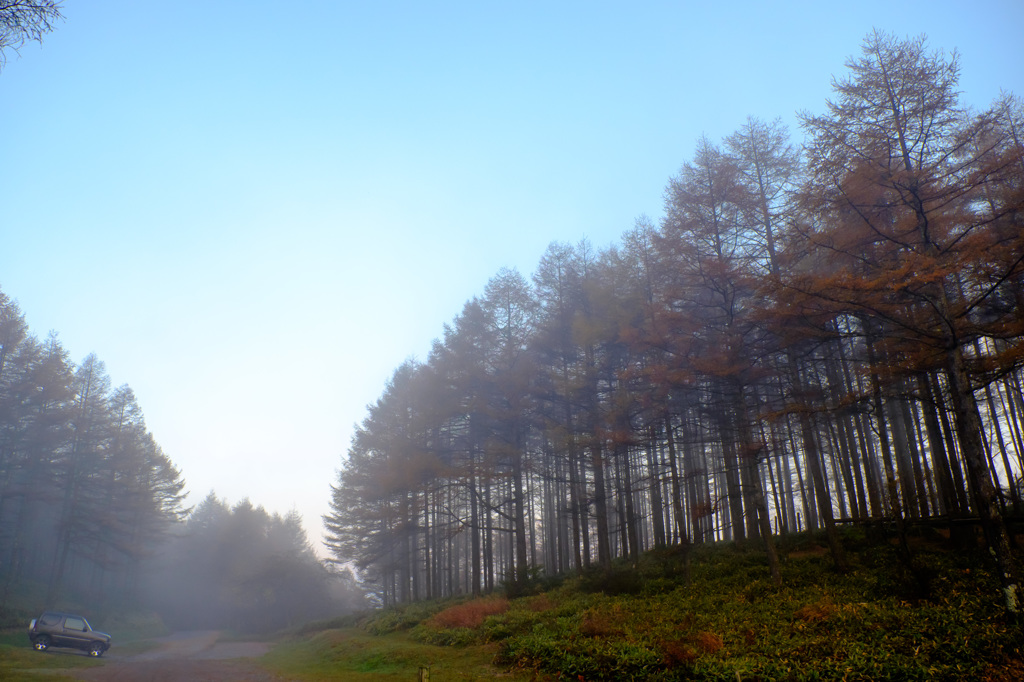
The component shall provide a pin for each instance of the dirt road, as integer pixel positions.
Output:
(185, 657)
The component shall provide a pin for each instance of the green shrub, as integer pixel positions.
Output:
(590, 658)
(401, 617)
(346, 621)
(510, 623)
(621, 579)
(445, 636)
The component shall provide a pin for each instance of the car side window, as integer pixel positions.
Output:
(49, 619)
(74, 624)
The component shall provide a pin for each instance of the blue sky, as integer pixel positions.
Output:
(252, 212)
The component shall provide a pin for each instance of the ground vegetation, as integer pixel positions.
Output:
(723, 619)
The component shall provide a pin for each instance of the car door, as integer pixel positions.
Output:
(51, 625)
(75, 632)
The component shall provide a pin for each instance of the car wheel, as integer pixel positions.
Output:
(42, 643)
(96, 650)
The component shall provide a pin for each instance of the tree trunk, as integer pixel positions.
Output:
(968, 420)
(604, 554)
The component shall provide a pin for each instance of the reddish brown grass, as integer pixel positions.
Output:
(686, 650)
(600, 623)
(709, 642)
(813, 613)
(542, 602)
(677, 652)
(470, 614)
(1009, 671)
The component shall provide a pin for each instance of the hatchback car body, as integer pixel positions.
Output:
(55, 629)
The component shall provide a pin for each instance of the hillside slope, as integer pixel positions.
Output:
(938, 619)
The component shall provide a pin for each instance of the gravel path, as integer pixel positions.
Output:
(185, 657)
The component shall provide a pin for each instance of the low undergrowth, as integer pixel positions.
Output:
(354, 655)
(938, 620)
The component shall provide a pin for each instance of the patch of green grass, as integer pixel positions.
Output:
(14, 637)
(354, 654)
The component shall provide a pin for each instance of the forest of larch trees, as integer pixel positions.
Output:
(816, 333)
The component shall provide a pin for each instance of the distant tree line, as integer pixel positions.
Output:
(92, 511)
(242, 568)
(808, 337)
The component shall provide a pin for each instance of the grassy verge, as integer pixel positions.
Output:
(939, 619)
(19, 662)
(354, 654)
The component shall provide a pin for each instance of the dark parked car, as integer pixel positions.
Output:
(66, 630)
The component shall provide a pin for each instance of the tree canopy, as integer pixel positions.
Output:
(25, 20)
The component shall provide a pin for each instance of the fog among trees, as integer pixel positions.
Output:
(93, 517)
(817, 332)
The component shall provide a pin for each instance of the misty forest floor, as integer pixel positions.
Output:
(938, 619)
